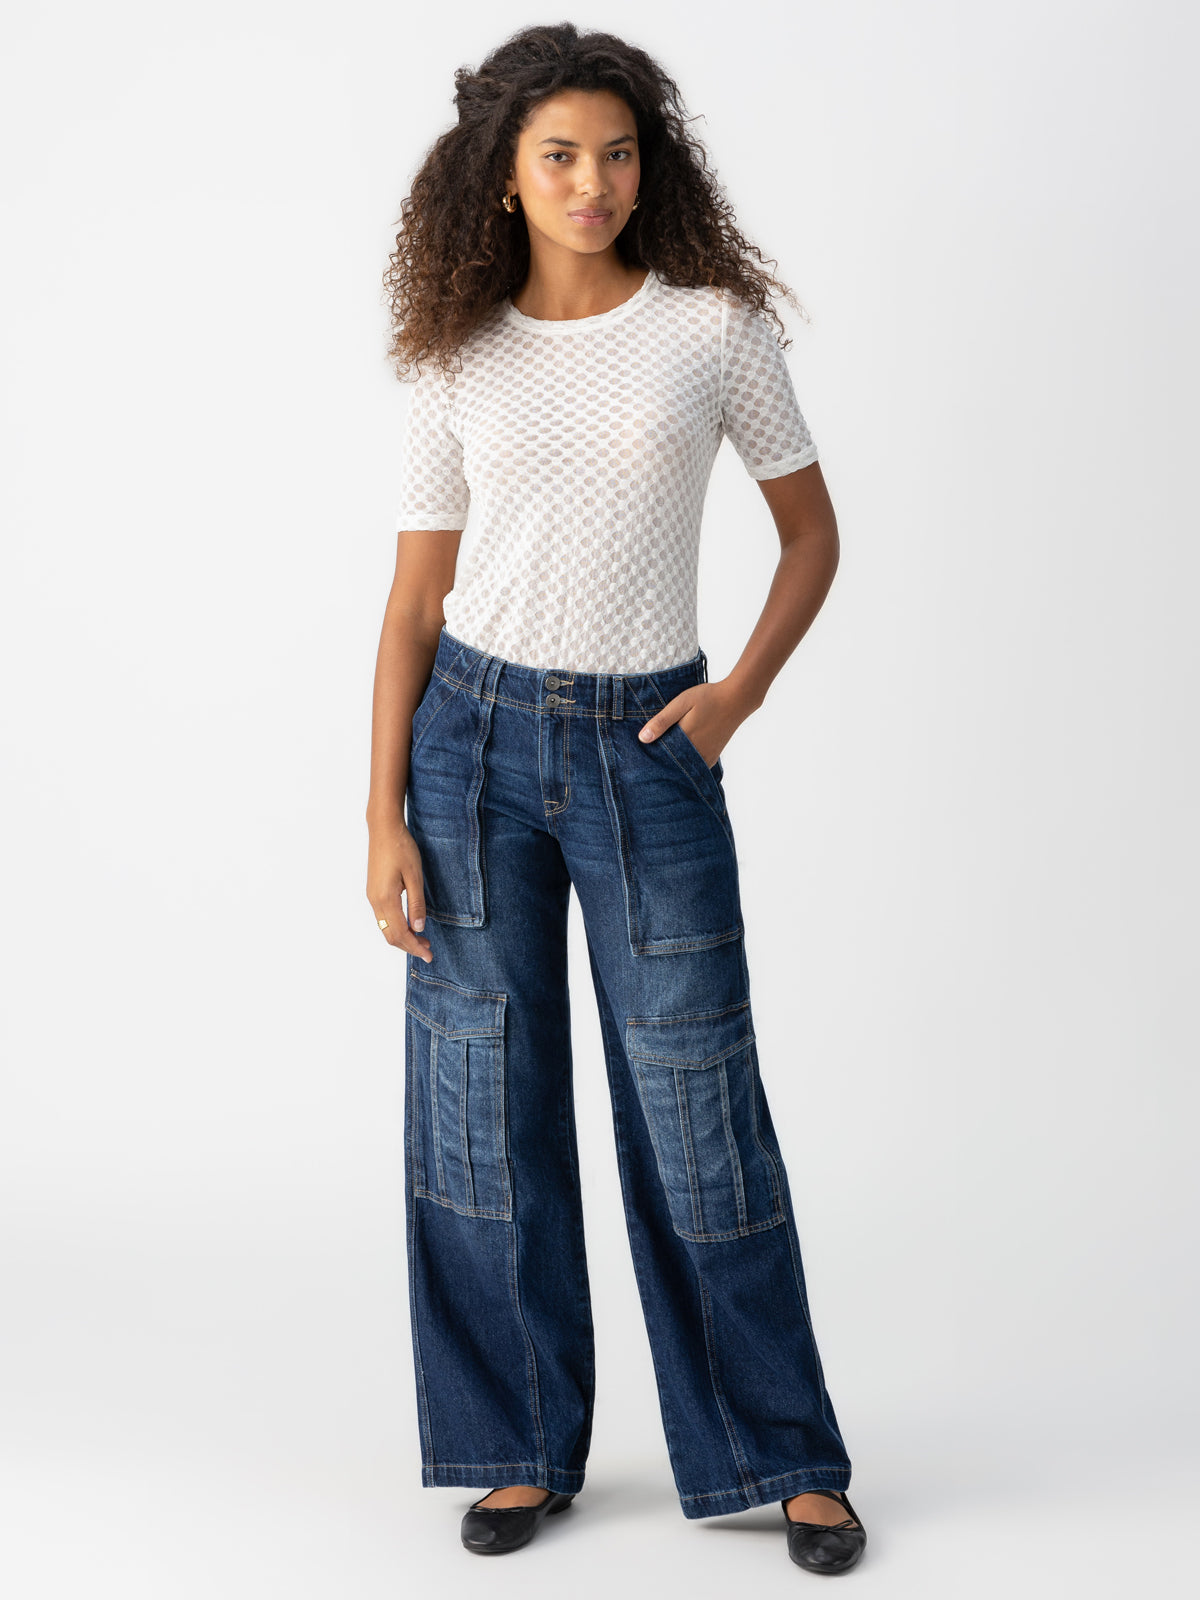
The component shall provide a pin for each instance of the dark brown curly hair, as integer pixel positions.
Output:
(459, 254)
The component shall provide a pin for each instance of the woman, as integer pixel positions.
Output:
(586, 327)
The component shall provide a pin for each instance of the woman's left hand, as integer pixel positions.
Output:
(704, 713)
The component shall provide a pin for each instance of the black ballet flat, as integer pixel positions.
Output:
(826, 1546)
(494, 1530)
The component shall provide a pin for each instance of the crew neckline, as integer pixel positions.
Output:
(582, 324)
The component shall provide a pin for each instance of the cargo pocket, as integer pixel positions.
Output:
(674, 840)
(444, 802)
(698, 1081)
(457, 1134)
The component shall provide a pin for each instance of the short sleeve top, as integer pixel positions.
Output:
(576, 456)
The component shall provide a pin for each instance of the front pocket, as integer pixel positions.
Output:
(674, 840)
(437, 692)
(444, 806)
(457, 1139)
(716, 771)
(698, 1081)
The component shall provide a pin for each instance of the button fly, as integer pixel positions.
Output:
(553, 699)
(553, 683)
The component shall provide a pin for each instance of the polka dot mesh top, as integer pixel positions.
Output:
(577, 454)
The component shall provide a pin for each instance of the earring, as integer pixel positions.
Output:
(509, 202)
(634, 206)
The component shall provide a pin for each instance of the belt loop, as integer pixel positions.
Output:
(704, 665)
(618, 697)
(483, 673)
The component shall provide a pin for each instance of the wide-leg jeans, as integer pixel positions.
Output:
(523, 783)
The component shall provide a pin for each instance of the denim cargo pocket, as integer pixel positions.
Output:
(675, 842)
(457, 1133)
(698, 1080)
(444, 804)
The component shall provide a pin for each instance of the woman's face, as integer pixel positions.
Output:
(577, 156)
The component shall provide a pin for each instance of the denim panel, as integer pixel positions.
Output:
(677, 857)
(459, 1142)
(444, 800)
(698, 1079)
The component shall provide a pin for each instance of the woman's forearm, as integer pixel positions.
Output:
(407, 647)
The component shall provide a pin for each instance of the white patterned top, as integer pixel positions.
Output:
(576, 455)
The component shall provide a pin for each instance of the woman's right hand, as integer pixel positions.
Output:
(393, 868)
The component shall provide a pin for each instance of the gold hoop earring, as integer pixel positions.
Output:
(509, 202)
(634, 206)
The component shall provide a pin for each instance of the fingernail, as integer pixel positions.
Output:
(419, 924)
(644, 733)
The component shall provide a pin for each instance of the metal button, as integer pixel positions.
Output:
(553, 699)
(553, 683)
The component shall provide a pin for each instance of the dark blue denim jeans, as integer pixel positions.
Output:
(523, 783)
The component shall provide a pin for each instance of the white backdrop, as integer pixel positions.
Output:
(966, 812)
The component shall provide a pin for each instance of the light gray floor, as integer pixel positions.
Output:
(268, 1513)
(262, 1527)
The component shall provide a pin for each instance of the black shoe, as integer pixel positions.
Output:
(826, 1546)
(492, 1530)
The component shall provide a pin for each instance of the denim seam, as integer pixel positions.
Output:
(735, 1160)
(762, 1483)
(617, 821)
(641, 1019)
(474, 828)
(461, 1210)
(464, 1141)
(557, 806)
(644, 1090)
(415, 1155)
(671, 947)
(683, 1109)
(521, 705)
(718, 1392)
(583, 1295)
(531, 1373)
(706, 1064)
(597, 713)
(730, 1234)
(773, 1165)
(432, 716)
(500, 1108)
(422, 1393)
(490, 1466)
(435, 1121)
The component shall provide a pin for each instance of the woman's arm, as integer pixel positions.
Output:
(709, 713)
(412, 621)
(810, 549)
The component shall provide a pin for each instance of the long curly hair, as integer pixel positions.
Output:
(459, 253)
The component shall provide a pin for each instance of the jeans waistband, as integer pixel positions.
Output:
(557, 689)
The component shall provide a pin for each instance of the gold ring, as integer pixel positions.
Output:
(382, 921)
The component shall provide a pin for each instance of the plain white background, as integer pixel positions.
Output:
(966, 812)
